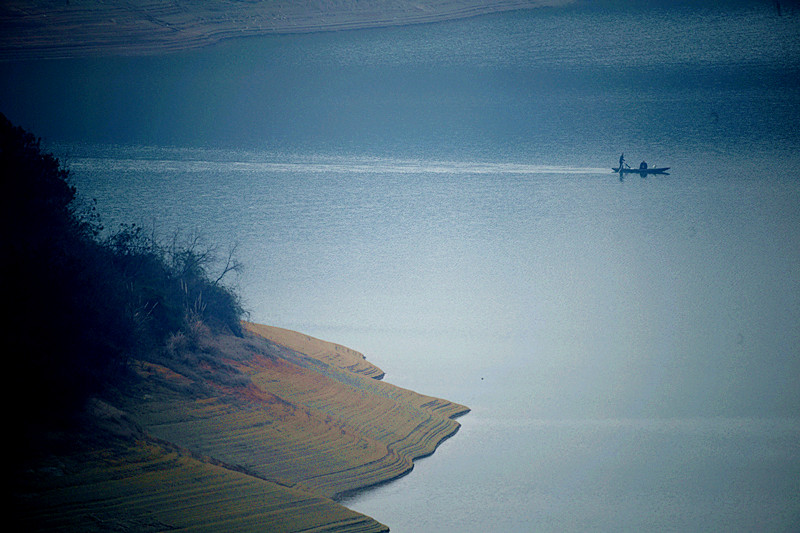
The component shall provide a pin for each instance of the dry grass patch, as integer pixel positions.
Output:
(150, 487)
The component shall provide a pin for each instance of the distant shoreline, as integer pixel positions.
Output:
(38, 29)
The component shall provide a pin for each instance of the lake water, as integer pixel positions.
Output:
(440, 198)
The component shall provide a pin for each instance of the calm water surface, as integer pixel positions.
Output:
(599, 475)
(440, 198)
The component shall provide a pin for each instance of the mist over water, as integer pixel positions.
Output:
(440, 198)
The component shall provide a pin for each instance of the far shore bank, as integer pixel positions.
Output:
(41, 29)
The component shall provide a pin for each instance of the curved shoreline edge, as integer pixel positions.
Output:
(40, 29)
(407, 425)
(267, 432)
(344, 497)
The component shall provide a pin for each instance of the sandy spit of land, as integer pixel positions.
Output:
(38, 29)
(242, 434)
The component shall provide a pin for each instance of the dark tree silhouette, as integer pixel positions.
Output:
(78, 306)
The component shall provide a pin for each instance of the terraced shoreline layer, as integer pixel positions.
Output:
(36, 29)
(237, 434)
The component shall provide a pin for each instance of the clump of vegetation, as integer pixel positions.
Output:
(81, 304)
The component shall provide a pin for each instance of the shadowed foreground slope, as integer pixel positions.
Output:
(242, 434)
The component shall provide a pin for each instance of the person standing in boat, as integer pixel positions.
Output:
(621, 161)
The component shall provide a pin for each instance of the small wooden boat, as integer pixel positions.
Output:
(643, 171)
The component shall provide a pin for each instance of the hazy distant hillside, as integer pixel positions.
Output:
(69, 28)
